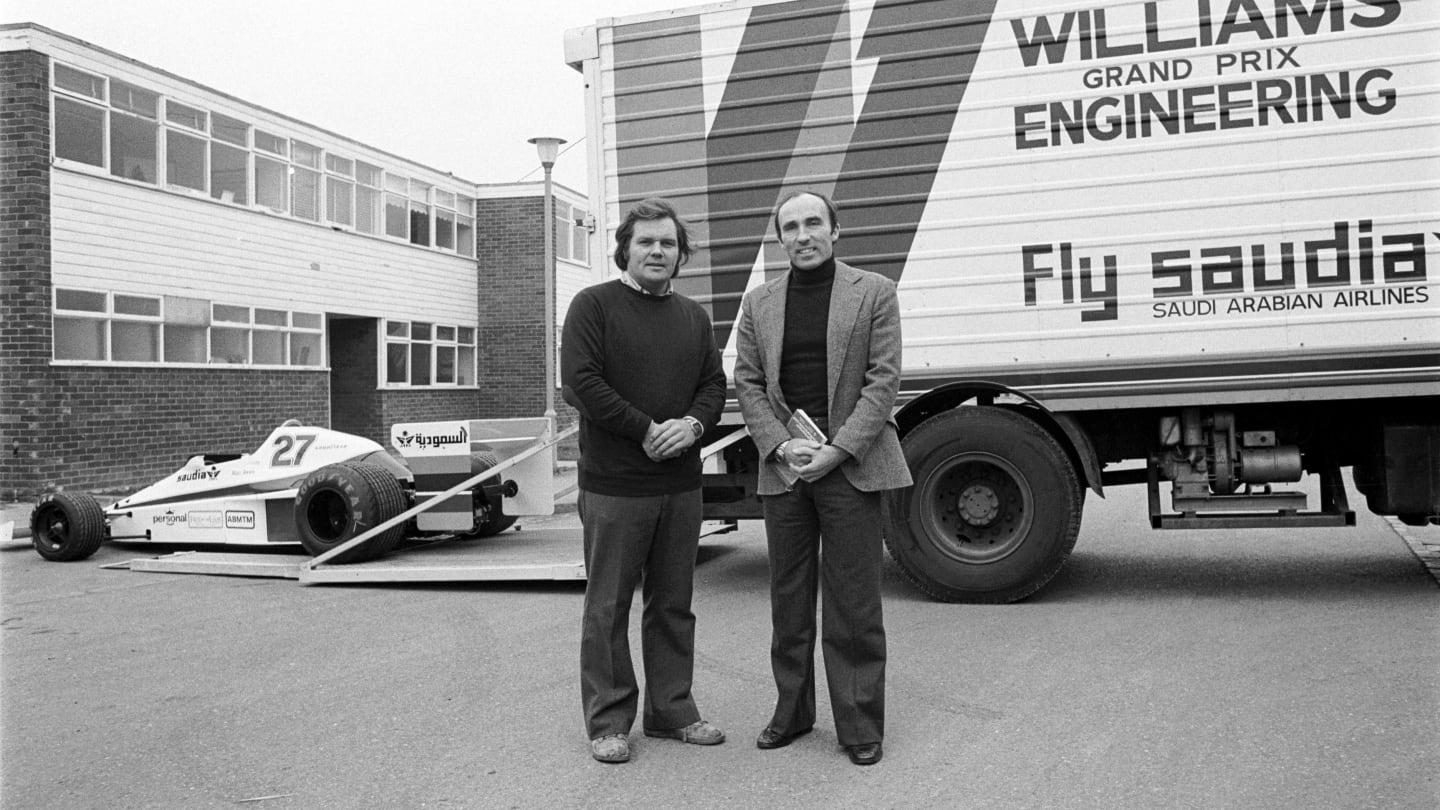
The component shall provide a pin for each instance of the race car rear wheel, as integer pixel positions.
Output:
(341, 501)
(67, 526)
(490, 520)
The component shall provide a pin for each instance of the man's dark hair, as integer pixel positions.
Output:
(650, 210)
(829, 208)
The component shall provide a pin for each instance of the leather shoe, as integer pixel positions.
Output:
(700, 732)
(770, 738)
(865, 753)
(610, 748)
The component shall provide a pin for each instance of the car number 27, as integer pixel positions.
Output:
(290, 450)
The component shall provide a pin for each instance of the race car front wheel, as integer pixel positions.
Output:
(341, 501)
(67, 526)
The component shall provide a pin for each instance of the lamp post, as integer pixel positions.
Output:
(549, 149)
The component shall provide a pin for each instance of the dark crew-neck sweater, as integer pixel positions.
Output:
(804, 363)
(628, 359)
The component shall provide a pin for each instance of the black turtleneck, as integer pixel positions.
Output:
(803, 357)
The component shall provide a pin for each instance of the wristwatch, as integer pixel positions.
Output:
(695, 426)
(780, 451)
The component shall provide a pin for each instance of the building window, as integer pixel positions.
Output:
(572, 238)
(465, 226)
(101, 327)
(184, 161)
(79, 132)
(367, 198)
(428, 355)
(95, 326)
(140, 135)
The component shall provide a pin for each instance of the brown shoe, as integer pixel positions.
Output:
(770, 738)
(865, 753)
(700, 732)
(610, 748)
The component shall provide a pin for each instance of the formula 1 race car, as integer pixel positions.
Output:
(305, 485)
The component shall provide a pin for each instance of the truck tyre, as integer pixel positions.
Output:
(994, 511)
(67, 526)
(340, 501)
(490, 520)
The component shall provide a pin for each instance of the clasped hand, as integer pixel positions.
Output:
(812, 460)
(668, 439)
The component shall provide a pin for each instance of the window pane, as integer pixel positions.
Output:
(465, 236)
(137, 305)
(367, 210)
(419, 331)
(445, 364)
(444, 229)
(465, 367)
(80, 300)
(305, 194)
(132, 99)
(305, 154)
(270, 183)
(367, 174)
(465, 206)
(184, 344)
(132, 148)
(270, 317)
(229, 345)
(78, 82)
(445, 333)
(185, 115)
(419, 191)
(273, 144)
(229, 130)
(232, 314)
(419, 224)
(269, 348)
(419, 363)
(184, 160)
(79, 132)
(305, 349)
(397, 184)
(136, 342)
(79, 339)
(444, 198)
(397, 329)
(339, 195)
(227, 173)
(581, 244)
(338, 165)
(396, 369)
(305, 320)
(396, 220)
(467, 335)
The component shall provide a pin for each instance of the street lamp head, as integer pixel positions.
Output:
(549, 149)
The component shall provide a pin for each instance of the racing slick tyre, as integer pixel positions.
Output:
(994, 510)
(341, 501)
(67, 526)
(489, 519)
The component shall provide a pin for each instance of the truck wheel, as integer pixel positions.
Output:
(341, 501)
(489, 519)
(994, 511)
(67, 526)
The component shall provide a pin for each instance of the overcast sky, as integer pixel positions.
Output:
(459, 85)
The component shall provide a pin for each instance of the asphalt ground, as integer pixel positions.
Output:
(1281, 669)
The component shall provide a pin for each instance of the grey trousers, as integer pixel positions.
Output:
(648, 541)
(826, 538)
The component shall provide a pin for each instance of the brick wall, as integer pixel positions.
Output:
(114, 430)
(510, 251)
(24, 260)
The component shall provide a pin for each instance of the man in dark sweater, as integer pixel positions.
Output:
(639, 363)
(824, 337)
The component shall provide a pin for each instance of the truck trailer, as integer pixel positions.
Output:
(1183, 244)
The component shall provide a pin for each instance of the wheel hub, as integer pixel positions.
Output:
(978, 505)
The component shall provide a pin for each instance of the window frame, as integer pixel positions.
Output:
(460, 344)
